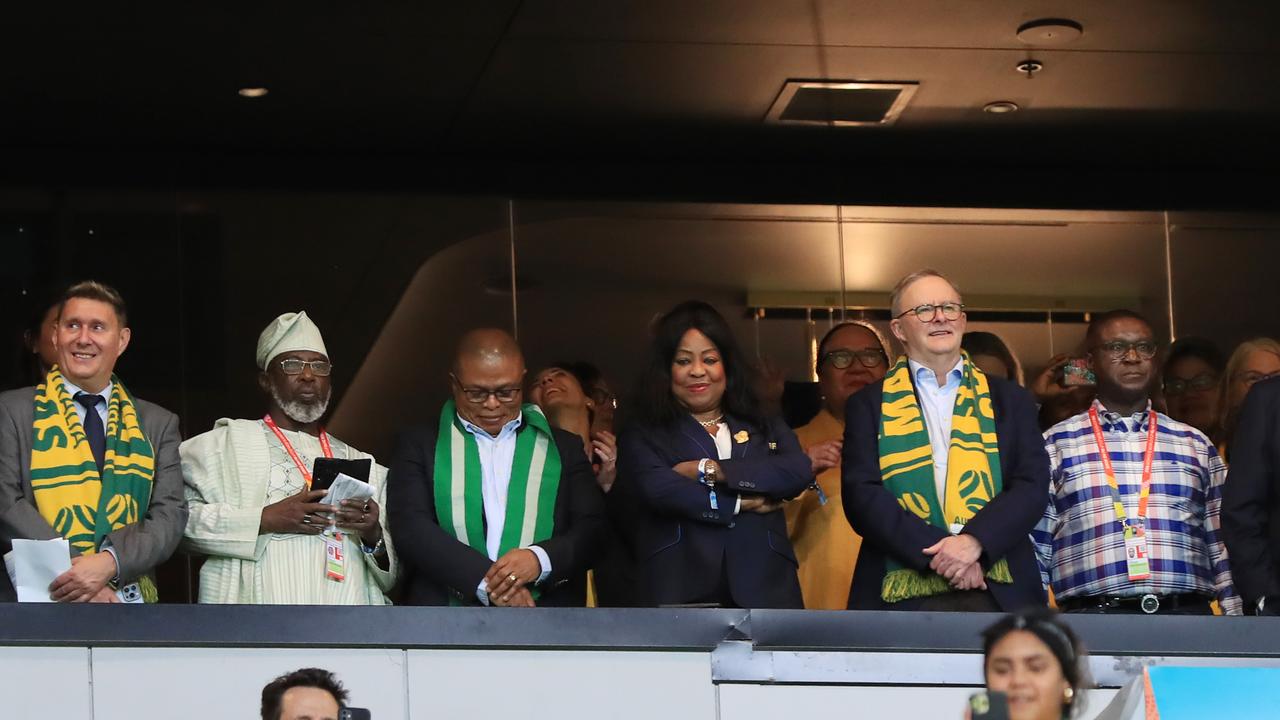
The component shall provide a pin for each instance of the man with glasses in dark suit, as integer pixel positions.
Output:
(944, 470)
(491, 504)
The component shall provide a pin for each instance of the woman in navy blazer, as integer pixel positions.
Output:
(708, 474)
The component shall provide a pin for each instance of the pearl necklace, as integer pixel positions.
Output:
(710, 424)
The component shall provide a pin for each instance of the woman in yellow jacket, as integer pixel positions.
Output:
(851, 356)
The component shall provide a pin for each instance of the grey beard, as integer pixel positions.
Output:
(301, 412)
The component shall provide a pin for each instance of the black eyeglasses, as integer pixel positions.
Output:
(1178, 386)
(1118, 350)
(929, 313)
(842, 359)
(319, 368)
(479, 396)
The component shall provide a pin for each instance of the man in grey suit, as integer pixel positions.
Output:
(82, 459)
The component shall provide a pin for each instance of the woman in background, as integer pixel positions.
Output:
(1191, 381)
(851, 356)
(992, 355)
(1252, 360)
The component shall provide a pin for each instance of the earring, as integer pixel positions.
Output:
(1068, 695)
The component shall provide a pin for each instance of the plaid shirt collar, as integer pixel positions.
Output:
(1115, 422)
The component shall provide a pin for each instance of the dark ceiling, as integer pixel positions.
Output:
(1158, 103)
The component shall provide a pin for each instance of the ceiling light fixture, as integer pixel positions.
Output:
(253, 92)
(1029, 67)
(840, 104)
(1000, 107)
(1050, 32)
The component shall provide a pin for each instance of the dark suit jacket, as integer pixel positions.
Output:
(1251, 498)
(1003, 526)
(684, 548)
(139, 547)
(437, 566)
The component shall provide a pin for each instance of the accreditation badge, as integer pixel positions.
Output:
(335, 559)
(1135, 552)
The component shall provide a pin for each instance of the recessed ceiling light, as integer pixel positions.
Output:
(253, 92)
(1048, 32)
(1000, 107)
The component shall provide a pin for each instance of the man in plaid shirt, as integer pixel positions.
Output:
(1132, 521)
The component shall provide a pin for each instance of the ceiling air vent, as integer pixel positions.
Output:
(840, 103)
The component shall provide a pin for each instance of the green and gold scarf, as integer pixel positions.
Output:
(906, 465)
(531, 495)
(79, 503)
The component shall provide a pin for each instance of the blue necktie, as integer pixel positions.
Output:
(93, 427)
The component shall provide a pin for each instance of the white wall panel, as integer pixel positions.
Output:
(562, 684)
(217, 684)
(41, 682)
(770, 702)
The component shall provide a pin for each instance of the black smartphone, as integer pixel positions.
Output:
(325, 470)
(989, 705)
(350, 713)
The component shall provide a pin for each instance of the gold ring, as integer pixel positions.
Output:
(512, 577)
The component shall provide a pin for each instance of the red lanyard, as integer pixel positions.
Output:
(324, 445)
(1148, 458)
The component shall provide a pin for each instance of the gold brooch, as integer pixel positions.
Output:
(741, 436)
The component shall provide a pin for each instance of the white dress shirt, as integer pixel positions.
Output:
(496, 457)
(938, 403)
(72, 389)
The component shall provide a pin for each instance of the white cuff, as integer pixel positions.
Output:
(482, 592)
(737, 505)
(544, 560)
(106, 547)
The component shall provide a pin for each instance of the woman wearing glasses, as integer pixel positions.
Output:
(1254, 360)
(850, 356)
(1191, 379)
(709, 472)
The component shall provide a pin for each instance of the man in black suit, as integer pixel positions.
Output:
(114, 551)
(493, 505)
(1251, 501)
(929, 320)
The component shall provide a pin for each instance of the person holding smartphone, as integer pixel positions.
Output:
(254, 510)
(1034, 669)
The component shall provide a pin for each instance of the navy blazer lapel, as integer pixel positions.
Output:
(698, 439)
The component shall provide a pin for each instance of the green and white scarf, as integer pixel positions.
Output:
(906, 466)
(531, 494)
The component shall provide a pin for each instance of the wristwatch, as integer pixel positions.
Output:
(377, 548)
(712, 473)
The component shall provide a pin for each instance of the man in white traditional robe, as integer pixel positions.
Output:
(267, 537)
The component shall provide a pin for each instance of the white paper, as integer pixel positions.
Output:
(345, 487)
(34, 564)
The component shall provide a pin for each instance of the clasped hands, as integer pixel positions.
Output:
(955, 558)
(749, 503)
